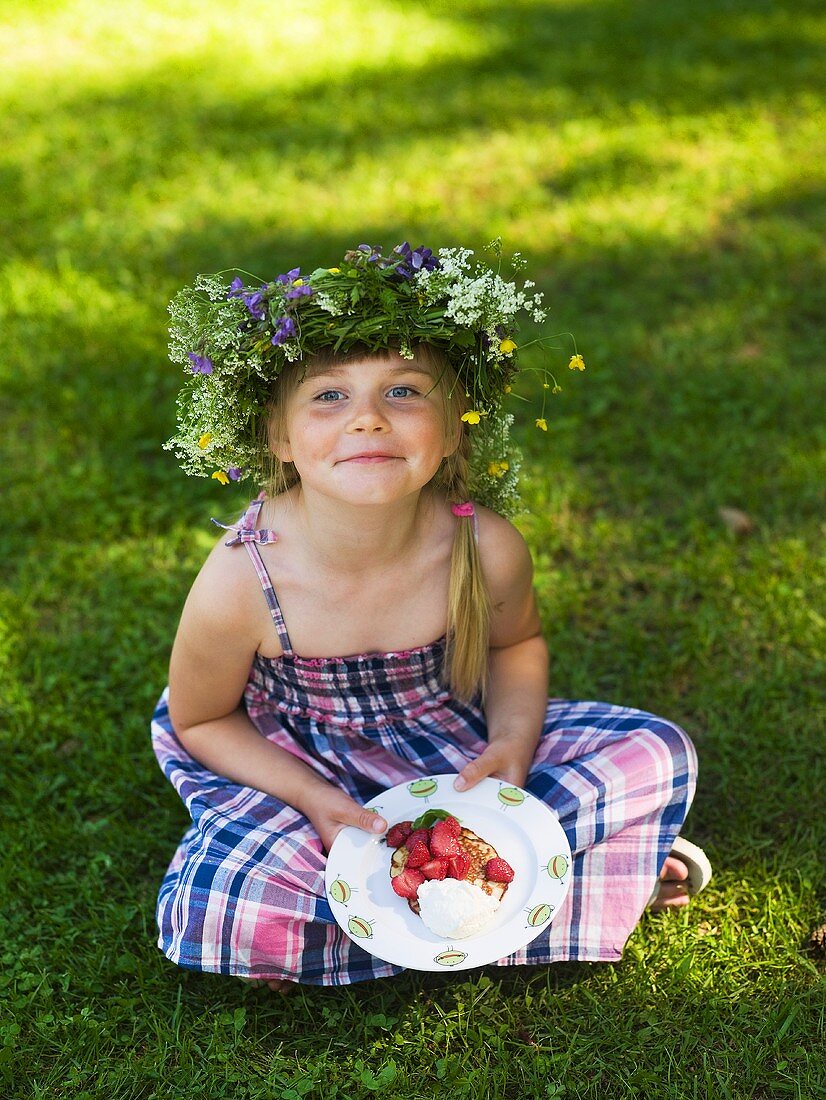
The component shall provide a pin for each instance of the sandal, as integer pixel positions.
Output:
(697, 862)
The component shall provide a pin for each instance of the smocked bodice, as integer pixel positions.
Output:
(362, 690)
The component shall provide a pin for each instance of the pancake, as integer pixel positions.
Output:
(476, 849)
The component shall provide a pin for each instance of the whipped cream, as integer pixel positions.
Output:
(455, 908)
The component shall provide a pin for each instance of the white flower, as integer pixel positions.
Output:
(329, 304)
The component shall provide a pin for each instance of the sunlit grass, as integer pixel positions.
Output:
(111, 46)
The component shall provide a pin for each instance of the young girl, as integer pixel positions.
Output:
(398, 634)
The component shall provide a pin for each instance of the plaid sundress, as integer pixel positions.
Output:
(244, 894)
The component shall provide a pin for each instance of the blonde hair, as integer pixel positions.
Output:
(465, 670)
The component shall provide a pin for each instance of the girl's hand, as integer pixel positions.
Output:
(335, 809)
(504, 758)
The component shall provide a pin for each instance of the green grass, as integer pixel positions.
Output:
(661, 166)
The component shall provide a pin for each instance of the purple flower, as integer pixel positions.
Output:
(298, 292)
(500, 331)
(414, 260)
(200, 363)
(234, 473)
(284, 330)
(373, 252)
(253, 303)
(288, 279)
(369, 252)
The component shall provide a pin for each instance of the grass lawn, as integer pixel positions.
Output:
(661, 166)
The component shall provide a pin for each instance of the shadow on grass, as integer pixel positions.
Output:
(574, 61)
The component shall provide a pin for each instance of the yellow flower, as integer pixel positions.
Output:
(542, 423)
(334, 270)
(205, 440)
(507, 346)
(508, 389)
(219, 475)
(557, 389)
(546, 385)
(577, 363)
(472, 417)
(298, 282)
(498, 469)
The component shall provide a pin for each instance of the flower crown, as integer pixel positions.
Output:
(233, 342)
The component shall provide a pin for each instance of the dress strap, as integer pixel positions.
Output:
(248, 536)
(245, 530)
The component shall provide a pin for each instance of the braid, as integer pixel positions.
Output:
(468, 602)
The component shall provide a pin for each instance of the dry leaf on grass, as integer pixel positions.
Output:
(738, 522)
(817, 940)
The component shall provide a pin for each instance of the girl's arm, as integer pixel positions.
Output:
(209, 667)
(517, 695)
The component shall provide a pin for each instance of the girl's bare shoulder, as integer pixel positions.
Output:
(502, 547)
(508, 569)
(225, 597)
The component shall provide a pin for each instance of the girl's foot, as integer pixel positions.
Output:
(277, 985)
(673, 886)
(686, 871)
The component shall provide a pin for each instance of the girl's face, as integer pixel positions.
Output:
(369, 431)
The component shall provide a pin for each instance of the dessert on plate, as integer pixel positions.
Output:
(450, 877)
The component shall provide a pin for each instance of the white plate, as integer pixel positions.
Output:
(520, 827)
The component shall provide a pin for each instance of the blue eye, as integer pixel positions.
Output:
(409, 389)
(323, 396)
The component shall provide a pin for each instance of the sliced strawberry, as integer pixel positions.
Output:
(407, 883)
(442, 841)
(435, 868)
(397, 834)
(454, 826)
(418, 834)
(498, 870)
(417, 854)
(458, 865)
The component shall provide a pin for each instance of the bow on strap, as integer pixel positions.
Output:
(245, 534)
